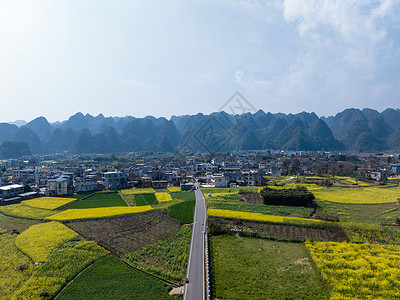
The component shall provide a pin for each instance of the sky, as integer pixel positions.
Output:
(172, 57)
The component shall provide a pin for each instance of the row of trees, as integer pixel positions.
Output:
(298, 196)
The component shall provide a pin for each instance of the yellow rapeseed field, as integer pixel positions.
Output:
(24, 211)
(163, 197)
(138, 191)
(254, 216)
(174, 189)
(48, 202)
(62, 266)
(362, 195)
(89, 213)
(38, 241)
(10, 279)
(358, 271)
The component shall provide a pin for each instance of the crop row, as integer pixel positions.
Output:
(117, 281)
(99, 212)
(128, 233)
(371, 233)
(258, 217)
(138, 191)
(168, 258)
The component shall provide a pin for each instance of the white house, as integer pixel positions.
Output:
(85, 185)
(12, 190)
(58, 186)
(220, 180)
(114, 180)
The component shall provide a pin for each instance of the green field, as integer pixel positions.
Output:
(98, 200)
(382, 213)
(112, 279)
(145, 199)
(186, 196)
(167, 259)
(183, 211)
(212, 190)
(248, 268)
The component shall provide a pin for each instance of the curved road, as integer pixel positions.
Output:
(195, 289)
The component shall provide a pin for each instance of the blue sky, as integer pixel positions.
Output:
(183, 57)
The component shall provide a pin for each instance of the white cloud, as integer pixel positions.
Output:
(354, 21)
(250, 81)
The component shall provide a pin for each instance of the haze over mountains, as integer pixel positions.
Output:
(353, 129)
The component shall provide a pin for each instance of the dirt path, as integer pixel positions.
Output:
(122, 196)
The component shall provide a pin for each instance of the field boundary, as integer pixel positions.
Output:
(65, 205)
(122, 196)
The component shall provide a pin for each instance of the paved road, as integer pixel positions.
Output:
(195, 289)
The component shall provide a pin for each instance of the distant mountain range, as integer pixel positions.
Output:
(353, 129)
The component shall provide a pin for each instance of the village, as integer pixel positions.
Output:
(61, 175)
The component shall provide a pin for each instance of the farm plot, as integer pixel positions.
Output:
(183, 211)
(11, 258)
(186, 195)
(9, 223)
(99, 212)
(236, 190)
(98, 200)
(259, 217)
(163, 197)
(174, 188)
(285, 211)
(38, 241)
(128, 233)
(27, 212)
(246, 268)
(61, 267)
(371, 233)
(48, 202)
(145, 199)
(328, 232)
(111, 279)
(382, 213)
(138, 191)
(359, 271)
(168, 258)
(362, 195)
